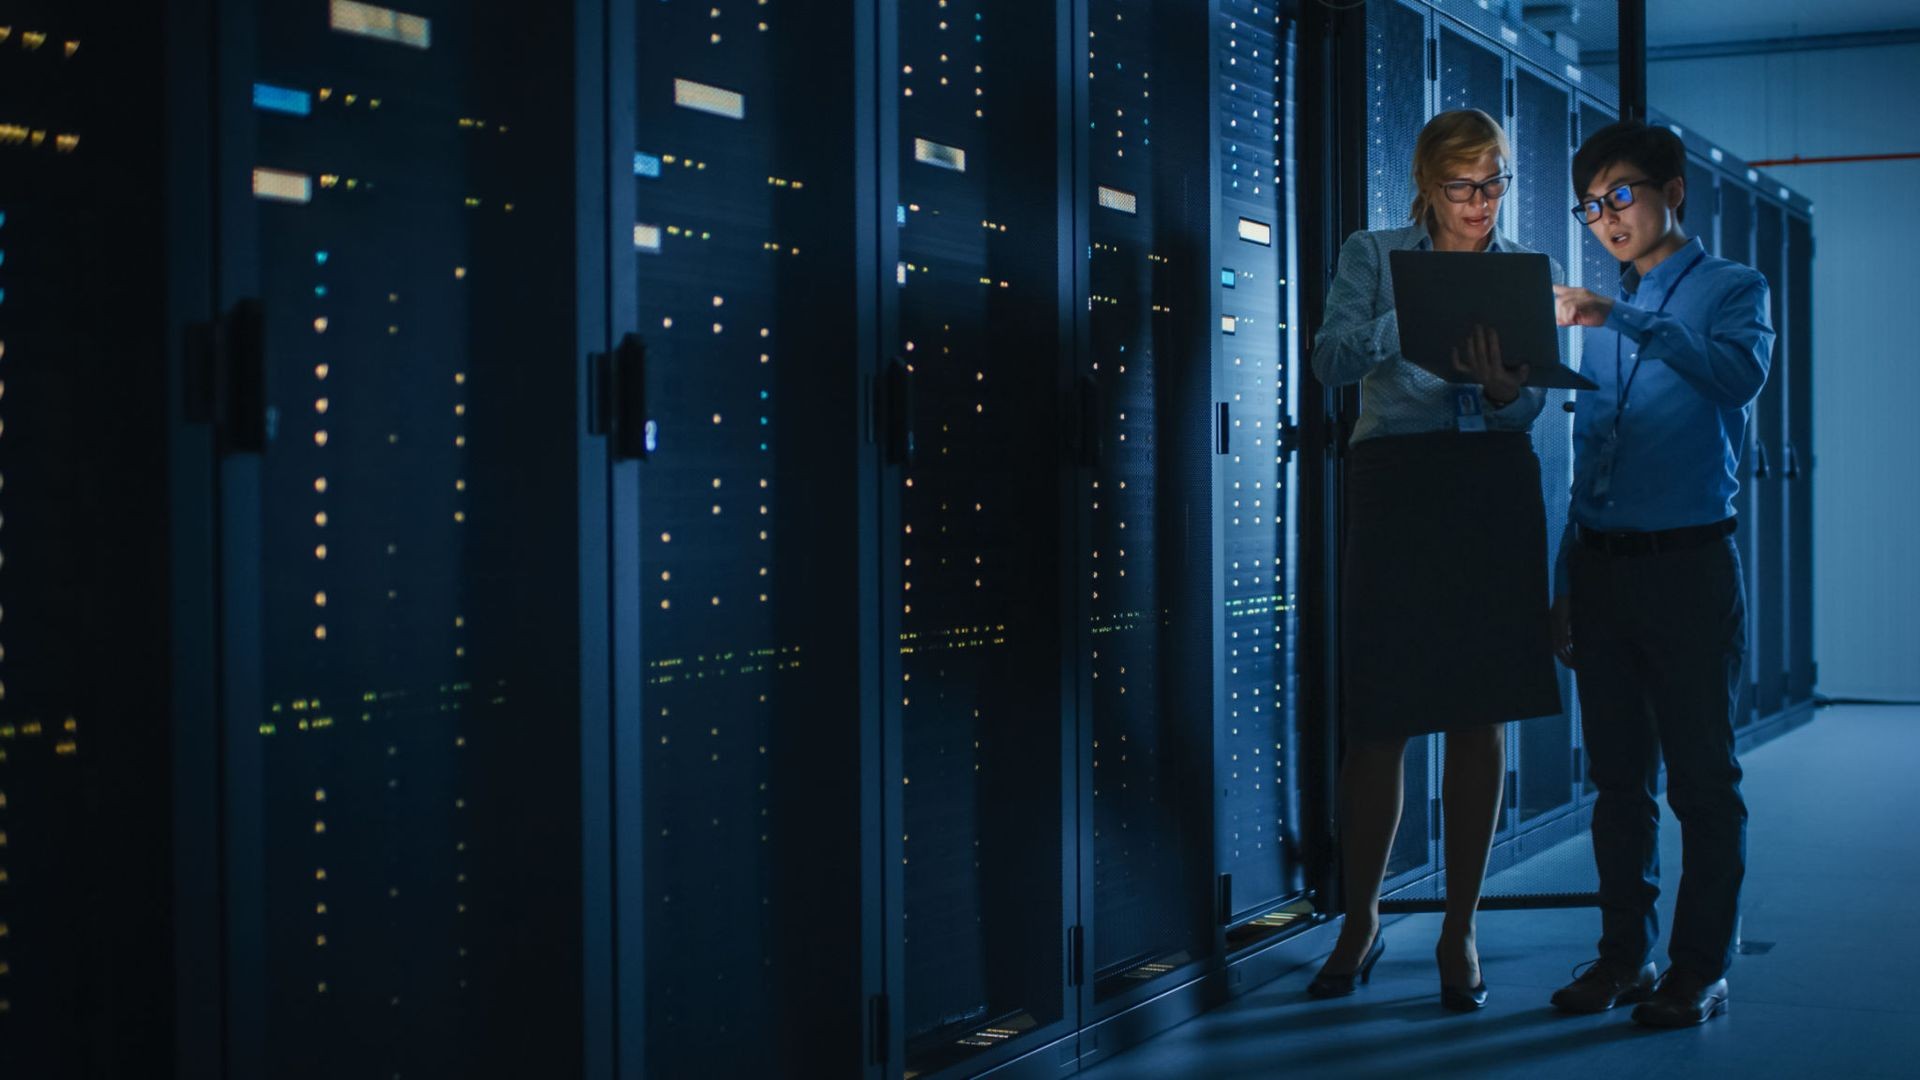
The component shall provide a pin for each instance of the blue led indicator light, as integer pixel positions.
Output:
(282, 99)
(320, 257)
(1227, 278)
(646, 165)
(319, 290)
(652, 435)
(900, 214)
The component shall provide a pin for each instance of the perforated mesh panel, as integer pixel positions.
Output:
(980, 528)
(1541, 131)
(1396, 108)
(1146, 303)
(1736, 243)
(733, 283)
(1767, 632)
(1800, 433)
(1258, 800)
(1472, 75)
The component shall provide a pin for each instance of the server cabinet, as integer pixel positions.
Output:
(1799, 462)
(1399, 77)
(1542, 131)
(977, 516)
(1465, 67)
(105, 580)
(1144, 501)
(1260, 835)
(1471, 73)
(738, 532)
(1736, 243)
(1766, 630)
(412, 706)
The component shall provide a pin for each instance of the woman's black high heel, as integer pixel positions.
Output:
(1329, 984)
(1463, 998)
(1460, 999)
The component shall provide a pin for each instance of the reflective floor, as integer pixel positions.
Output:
(1825, 987)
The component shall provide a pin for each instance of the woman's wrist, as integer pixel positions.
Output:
(1496, 402)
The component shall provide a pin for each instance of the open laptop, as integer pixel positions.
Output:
(1440, 296)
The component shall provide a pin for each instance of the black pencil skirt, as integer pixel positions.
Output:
(1444, 620)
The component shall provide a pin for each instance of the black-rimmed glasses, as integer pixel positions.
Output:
(1462, 190)
(1618, 199)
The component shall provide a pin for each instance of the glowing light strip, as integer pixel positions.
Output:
(939, 155)
(1258, 232)
(282, 99)
(1115, 199)
(700, 97)
(278, 185)
(380, 24)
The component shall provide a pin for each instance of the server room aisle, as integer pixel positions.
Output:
(1825, 986)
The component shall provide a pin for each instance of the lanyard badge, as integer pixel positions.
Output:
(1467, 415)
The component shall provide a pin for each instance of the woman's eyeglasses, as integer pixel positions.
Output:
(1462, 190)
(1618, 199)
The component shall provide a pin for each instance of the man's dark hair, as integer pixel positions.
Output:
(1653, 150)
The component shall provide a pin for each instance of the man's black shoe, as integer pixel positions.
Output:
(1682, 999)
(1603, 986)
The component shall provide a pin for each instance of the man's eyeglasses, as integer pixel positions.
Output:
(1462, 190)
(1618, 199)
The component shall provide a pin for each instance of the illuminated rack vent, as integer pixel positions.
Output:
(646, 165)
(1115, 199)
(700, 97)
(380, 24)
(277, 185)
(940, 155)
(1258, 232)
(646, 238)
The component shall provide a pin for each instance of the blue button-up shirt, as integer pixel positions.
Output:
(1704, 350)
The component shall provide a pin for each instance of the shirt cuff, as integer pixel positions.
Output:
(1629, 321)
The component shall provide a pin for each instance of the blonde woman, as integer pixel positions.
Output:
(1444, 597)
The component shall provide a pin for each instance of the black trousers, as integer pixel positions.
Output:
(1659, 640)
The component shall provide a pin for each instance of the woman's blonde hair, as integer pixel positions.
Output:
(1451, 139)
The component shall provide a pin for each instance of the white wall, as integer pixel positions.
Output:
(1866, 325)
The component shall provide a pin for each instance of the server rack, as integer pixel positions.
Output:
(1761, 222)
(105, 595)
(300, 497)
(743, 556)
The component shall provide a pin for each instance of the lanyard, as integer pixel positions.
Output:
(1627, 387)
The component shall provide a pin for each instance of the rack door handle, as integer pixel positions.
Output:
(619, 406)
(896, 413)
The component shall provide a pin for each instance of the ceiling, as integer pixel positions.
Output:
(1691, 22)
(1594, 23)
